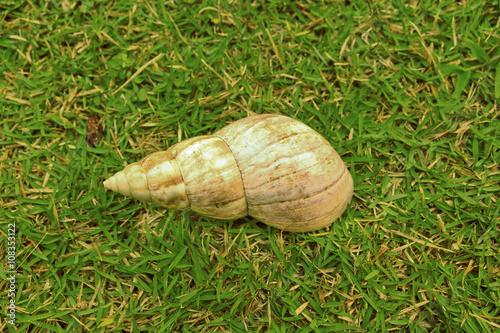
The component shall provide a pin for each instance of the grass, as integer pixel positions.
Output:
(406, 91)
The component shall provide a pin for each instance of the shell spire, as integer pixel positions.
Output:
(130, 182)
(155, 178)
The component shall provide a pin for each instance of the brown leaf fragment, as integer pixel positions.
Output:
(94, 130)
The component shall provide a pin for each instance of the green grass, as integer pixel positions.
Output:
(406, 91)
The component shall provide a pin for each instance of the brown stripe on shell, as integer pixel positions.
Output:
(241, 177)
(152, 160)
(137, 182)
(315, 223)
(213, 183)
(165, 181)
(310, 194)
(249, 136)
(310, 213)
(288, 172)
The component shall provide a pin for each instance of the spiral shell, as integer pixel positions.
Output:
(273, 168)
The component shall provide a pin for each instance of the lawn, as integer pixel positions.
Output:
(407, 92)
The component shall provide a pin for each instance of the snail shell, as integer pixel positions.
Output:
(273, 168)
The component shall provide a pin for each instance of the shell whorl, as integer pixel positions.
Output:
(293, 178)
(212, 178)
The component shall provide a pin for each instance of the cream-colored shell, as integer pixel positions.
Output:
(273, 168)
